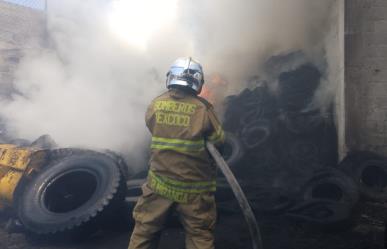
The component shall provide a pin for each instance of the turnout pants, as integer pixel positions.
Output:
(198, 218)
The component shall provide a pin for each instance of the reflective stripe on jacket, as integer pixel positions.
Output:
(179, 145)
(180, 124)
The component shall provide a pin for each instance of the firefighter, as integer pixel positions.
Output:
(181, 177)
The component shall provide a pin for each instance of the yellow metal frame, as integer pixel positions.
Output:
(14, 162)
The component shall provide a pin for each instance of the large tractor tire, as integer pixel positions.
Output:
(73, 190)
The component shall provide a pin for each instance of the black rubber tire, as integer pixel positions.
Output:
(303, 123)
(304, 150)
(256, 134)
(232, 149)
(126, 171)
(297, 87)
(272, 201)
(93, 179)
(331, 185)
(321, 213)
(369, 172)
(251, 116)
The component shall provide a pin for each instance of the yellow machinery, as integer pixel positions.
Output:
(15, 164)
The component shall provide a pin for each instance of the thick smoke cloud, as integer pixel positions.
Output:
(238, 37)
(91, 89)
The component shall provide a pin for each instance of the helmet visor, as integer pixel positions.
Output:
(189, 75)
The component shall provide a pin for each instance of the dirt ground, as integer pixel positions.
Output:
(367, 232)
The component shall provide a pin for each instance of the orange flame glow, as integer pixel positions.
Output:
(214, 89)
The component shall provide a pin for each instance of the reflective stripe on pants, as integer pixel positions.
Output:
(178, 191)
(197, 217)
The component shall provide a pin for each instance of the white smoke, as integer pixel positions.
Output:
(91, 88)
(238, 37)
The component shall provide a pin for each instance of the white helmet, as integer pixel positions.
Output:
(186, 72)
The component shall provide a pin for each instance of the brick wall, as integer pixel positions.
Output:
(366, 75)
(21, 29)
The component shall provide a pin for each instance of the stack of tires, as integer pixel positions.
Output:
(281, 123)
(285, 153)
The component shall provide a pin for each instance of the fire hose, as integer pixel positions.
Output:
(239, 195)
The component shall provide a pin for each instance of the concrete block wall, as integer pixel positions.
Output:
(366, 75)
(21, 29)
